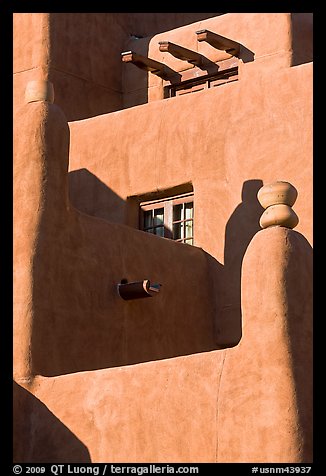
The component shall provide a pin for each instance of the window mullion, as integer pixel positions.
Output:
(183, 216)
(168, 219)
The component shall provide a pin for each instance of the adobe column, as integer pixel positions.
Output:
(266, 388)
(41, 146)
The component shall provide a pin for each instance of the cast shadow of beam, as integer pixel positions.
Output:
(244, 54)
(39, 436)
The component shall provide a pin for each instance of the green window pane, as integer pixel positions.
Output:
(177, 212)
(189, 210)
(188, 229)
(177, 231)
(159, 231)
(148, 222)
(159, 216)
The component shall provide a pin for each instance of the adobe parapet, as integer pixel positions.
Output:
(68, 315)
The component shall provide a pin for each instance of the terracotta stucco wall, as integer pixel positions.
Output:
(227, 141)
(74, 50)
(31, 51)
(69, 316)
(247, 130)
(80, 53)
(268, 41)
(248, 403)
(252, 403)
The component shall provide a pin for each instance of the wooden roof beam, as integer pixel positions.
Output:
(219, 42)
(181, 53)
(144, 63)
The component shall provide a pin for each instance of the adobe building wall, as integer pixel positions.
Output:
(31, 50)
(69, 315)
(267, 41)
(257, 128)
(271, 368)
(248, 402)
(251, 403)
(227, 141)
(80, 54)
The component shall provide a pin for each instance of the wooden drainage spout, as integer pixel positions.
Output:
(138, 289)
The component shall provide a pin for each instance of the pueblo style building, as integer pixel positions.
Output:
(162, 297)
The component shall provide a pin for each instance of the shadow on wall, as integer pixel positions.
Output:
(38, 435)
(82, 324)
(90, 195)
(135, 80)
(145, 24)
(302, 38)
(87, 70)
(242, 225)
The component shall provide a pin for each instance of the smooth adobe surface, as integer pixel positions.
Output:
(266, 392)
(142, 413)
(233, 145)
(31, 52)
(87, 71)
(268, 42)
(54, 442)
(288, 267)
(40, 203)
(163, 144)
(217, 366)
(78, 321)
(253, 403)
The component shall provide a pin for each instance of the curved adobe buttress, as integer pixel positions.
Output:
(266, 387)
(41, 147)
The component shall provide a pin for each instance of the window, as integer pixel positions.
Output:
(201, 83)
(171, 218)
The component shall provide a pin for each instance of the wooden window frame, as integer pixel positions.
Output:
(201, 83)
(167, 204)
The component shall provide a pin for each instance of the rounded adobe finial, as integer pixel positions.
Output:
(39, 90)
(277, 198)
(277, 192)
(279, 215)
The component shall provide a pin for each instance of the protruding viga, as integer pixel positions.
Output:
(277, 198)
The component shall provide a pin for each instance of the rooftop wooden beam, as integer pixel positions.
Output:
(218, 41)
(143, 62)
(181, 52)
